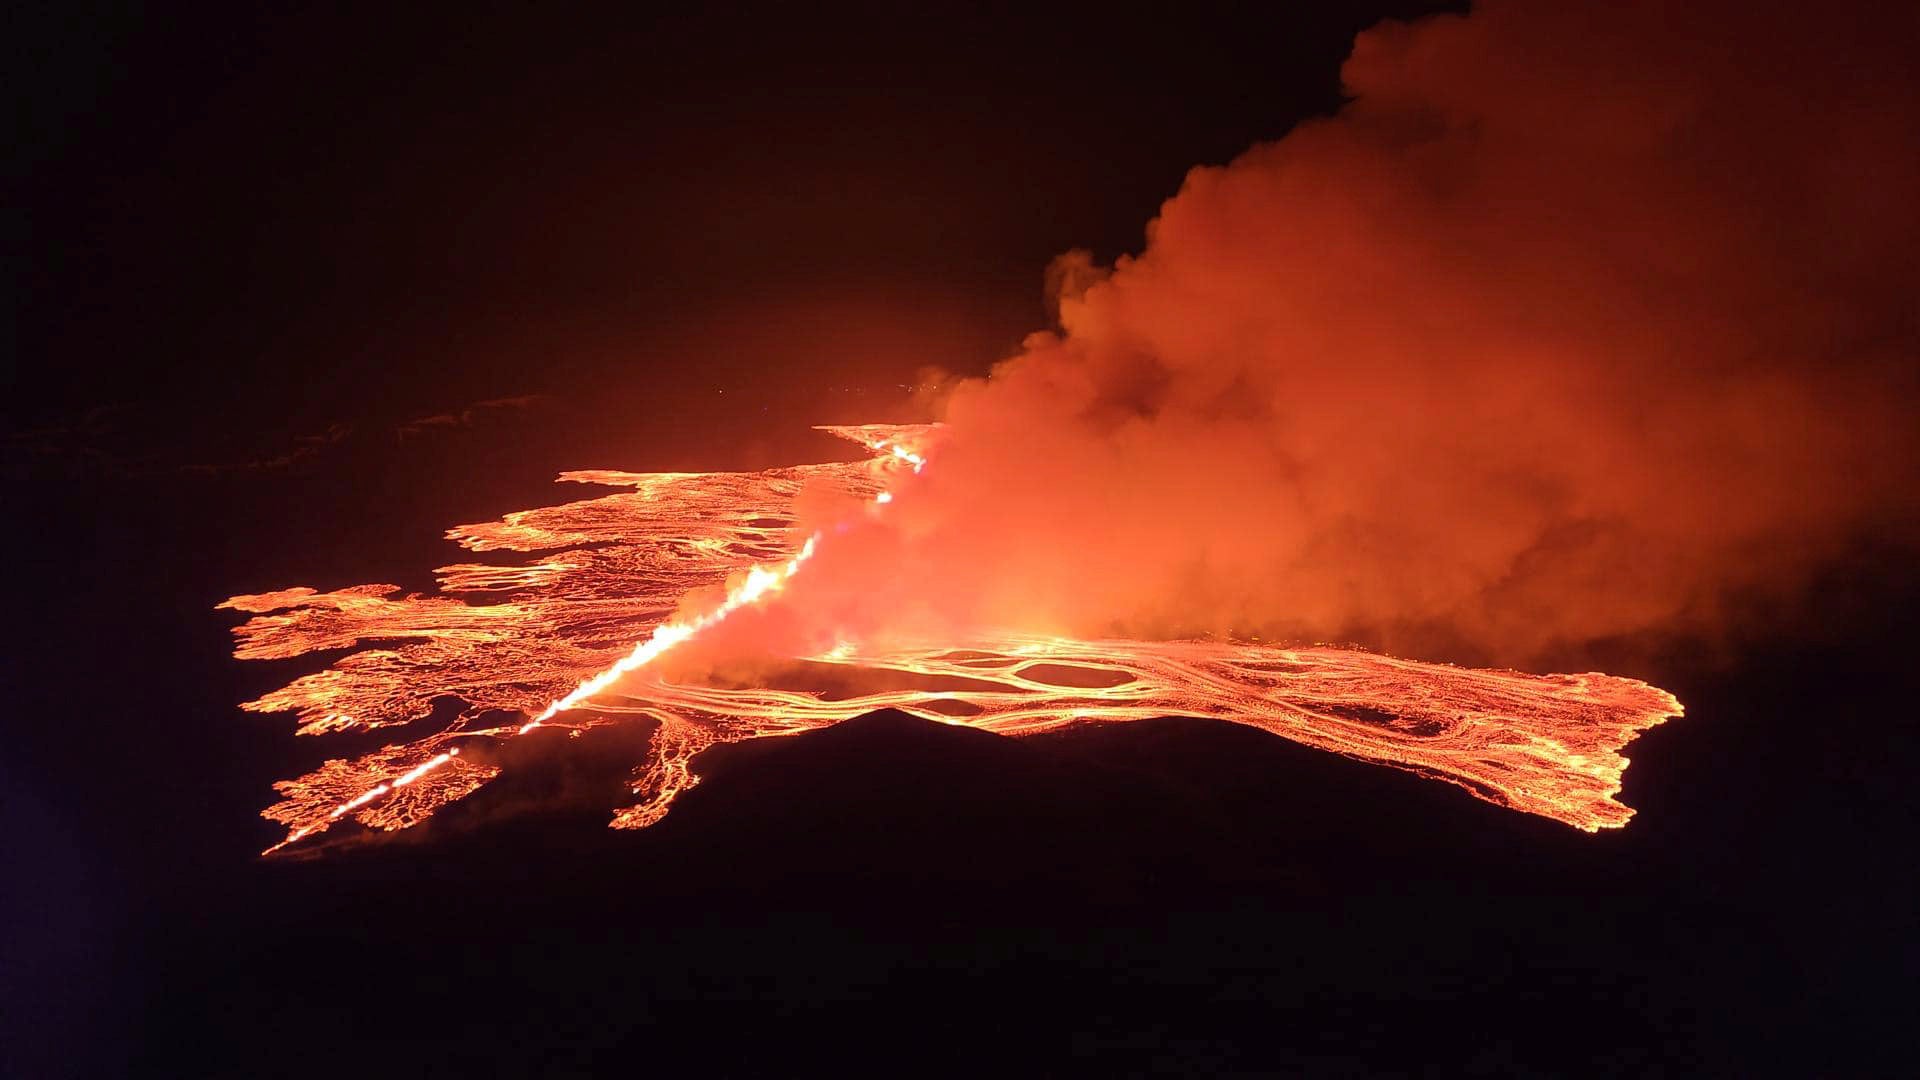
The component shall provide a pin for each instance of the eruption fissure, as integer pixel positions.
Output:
(1546, 745)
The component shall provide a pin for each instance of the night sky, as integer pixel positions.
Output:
(258, 222)
(293, 291)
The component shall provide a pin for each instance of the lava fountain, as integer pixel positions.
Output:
(550, 642)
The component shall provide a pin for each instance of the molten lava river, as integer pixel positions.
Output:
(567, 638)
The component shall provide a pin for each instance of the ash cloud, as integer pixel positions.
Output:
(1574, 323)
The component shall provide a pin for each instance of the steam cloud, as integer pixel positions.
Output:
(1576, 321)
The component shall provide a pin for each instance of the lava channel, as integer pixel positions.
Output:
(566, 638)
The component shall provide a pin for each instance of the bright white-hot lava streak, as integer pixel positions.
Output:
(759, 582)
(546, 636)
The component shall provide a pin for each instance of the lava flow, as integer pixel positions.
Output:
(550, 642)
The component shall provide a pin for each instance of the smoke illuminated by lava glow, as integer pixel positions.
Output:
(1484, 365)
(550, 642)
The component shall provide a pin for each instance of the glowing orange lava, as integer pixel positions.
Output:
(551, 642)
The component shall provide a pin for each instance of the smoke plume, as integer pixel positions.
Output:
(1575, 322)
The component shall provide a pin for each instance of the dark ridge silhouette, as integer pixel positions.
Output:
(1120, 894)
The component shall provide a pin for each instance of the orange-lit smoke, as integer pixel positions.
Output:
(1574, 322)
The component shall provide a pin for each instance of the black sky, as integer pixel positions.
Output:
(341, 214)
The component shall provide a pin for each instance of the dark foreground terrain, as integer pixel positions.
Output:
(1173, 895)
